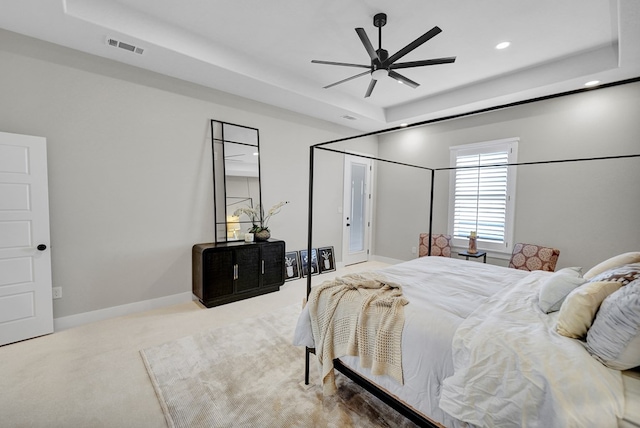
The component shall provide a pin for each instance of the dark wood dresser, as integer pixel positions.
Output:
(225, 272)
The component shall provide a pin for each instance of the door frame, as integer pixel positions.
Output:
(30, 295)
(349, 157)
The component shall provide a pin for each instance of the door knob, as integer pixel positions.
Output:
(41, 247)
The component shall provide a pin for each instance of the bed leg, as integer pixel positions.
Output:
(308, 351)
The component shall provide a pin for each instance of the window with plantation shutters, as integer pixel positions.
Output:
(482, 194)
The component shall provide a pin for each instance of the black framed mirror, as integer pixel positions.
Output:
(236, 178)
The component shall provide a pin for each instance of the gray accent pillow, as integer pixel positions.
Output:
(614, 337)
(555, 288)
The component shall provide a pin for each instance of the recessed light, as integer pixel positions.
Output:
(403, 124)
(503, 45)
(591, 83)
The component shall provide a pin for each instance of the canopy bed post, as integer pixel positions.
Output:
(309, 351)
(433, 178)
(310, 220)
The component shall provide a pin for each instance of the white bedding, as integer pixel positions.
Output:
(443, 292)
(511, 368)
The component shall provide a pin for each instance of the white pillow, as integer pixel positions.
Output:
(619, 260)
(614, 337)
(580, 307)
(556, 287)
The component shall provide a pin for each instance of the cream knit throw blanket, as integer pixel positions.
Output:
(367, 323)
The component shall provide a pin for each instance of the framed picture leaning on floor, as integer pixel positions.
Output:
(291, 265)
(326, 259)
(306, 266)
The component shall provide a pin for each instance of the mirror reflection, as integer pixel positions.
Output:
(236, 177)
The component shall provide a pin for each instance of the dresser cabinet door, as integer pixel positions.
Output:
(273, 264)
(217, 273)
(247, 264)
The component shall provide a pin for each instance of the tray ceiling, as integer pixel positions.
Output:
(263, 50)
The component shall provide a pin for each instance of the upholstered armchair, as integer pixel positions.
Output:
(440, 245)
(534, 257)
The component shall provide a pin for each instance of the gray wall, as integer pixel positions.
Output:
(588, 210)
(328, 190)
(130, 172)
(130, 178)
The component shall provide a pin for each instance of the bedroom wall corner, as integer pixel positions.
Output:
(129, 156)
(584, 209)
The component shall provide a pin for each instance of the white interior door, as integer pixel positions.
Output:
(357, 207)
(26, 308)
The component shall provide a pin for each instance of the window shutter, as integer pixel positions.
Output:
(482, 190)
(480, 196)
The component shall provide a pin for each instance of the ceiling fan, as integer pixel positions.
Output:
(384, 65)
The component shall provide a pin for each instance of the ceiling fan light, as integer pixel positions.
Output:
(379, 74)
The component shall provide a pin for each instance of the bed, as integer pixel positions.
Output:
(475, 313)
(478, 350)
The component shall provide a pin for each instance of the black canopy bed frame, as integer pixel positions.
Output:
(368, 385)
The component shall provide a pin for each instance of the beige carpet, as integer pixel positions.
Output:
(250, 375)
(93, 376)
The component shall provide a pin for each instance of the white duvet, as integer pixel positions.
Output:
(512, 369)
(472, 356)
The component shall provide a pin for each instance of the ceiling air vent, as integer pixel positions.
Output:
(126, 46)
(346, 116)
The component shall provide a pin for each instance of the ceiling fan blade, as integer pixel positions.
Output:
(347, 79)
(367, 44)
(346, 64)
(435, 61)
(411, 46)
(403, 79)
(372, 85)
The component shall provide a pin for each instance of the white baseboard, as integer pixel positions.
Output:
(388, 260)
(64, 323)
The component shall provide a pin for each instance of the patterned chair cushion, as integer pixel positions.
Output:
(534, 257)
(440, 246)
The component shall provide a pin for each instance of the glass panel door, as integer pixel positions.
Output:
(356, 209)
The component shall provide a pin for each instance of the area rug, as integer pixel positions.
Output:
(250, 375)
